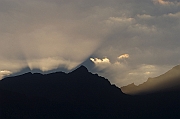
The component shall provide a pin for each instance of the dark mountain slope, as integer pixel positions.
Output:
(57, 85)
(79, 94)
(168, 81)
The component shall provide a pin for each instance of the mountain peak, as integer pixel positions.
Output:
(81, 69)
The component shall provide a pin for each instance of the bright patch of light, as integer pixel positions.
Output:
(124, 56)
(4, 73)
(96, 60)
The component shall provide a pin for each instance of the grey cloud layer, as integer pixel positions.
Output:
(47, 34)
(149, 33)
(36, 32)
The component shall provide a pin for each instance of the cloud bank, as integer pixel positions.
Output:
(148, 32)
(127, 41)
(46, 35)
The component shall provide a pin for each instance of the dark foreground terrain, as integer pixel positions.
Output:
(80, 94)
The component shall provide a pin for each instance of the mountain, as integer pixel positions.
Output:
(79, 94)
(55, 86)
(165, 82)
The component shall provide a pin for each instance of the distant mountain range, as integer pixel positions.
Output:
(79, 94)
(166, 82)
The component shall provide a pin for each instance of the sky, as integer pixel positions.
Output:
(123, 40)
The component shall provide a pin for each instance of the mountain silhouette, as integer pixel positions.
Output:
(79, 94)
(165, 82)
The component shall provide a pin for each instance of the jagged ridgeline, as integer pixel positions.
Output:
(79, 94)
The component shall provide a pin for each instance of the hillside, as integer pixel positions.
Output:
(165, 82)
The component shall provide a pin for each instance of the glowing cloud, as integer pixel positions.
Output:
(96, 60)
(52, 63)
(165, 2)
(161, 2)
(4, 73)
(124, 56)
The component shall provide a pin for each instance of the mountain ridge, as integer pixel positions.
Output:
(79, 94)
(170, 80)
(34, 82)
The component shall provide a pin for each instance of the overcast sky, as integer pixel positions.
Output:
(125, 41)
